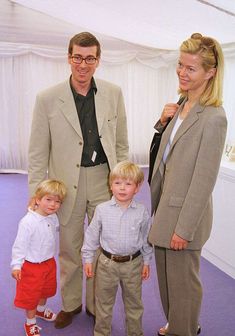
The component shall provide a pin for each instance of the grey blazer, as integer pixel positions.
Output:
(56, 141)
(183, 203)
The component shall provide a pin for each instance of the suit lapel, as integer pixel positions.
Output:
(68, 108)
(188, 122)
(164, 141)
(101, 105)
(99, 110)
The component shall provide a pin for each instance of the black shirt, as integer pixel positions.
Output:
(93, 153)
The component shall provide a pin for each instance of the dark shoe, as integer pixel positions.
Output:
(90, 314)
(64, 319)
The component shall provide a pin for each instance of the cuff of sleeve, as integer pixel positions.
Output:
(88, 261)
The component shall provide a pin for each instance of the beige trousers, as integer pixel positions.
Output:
(109, 275)
(92, 190)
(180, 289)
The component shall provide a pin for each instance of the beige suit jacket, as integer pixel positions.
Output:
(184, 205)
(56, 141)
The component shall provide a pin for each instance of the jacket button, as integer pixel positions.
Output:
(80, 143)
(77, 165)
(75, 187)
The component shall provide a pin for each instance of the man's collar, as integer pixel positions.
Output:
(93, 86)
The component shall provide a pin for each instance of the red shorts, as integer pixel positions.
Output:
(37, 281)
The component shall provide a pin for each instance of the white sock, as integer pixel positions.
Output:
(41, 308)
(31, 321)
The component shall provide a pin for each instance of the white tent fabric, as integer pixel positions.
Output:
(33, 51)
(153, 23)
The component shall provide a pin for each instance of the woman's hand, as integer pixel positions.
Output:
(168, 112)
(32, 204)
(178, 243)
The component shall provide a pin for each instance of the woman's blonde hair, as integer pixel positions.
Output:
(51, 187)
(212, 57)
(127, 170)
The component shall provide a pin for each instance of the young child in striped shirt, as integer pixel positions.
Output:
(120, 228)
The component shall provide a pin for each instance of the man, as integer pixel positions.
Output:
(78, 134)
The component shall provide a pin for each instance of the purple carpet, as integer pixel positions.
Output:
(218, 309)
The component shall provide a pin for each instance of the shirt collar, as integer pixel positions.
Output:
(92, 88)
(131, 205)
(37, 215)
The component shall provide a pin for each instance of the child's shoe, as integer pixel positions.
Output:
(32, 329)
(46, 315)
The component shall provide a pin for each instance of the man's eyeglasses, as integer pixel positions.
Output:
(90, 60)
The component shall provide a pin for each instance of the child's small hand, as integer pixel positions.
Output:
(88, 270)
(145, 272)
(16, 274)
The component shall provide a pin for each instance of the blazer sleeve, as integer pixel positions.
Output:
(204, 176)
(39, 146)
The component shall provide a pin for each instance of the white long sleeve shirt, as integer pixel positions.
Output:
(35, 240)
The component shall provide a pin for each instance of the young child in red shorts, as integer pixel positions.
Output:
(33, 264)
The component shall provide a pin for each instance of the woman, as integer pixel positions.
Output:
(184, 176)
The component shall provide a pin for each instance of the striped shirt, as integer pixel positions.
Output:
(120, 231)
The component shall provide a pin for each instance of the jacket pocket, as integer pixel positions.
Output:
(176, 201)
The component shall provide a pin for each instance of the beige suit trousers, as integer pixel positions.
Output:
(180, 289)
(92, 190)
(109, 275)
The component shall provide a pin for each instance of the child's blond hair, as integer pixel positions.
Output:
(127, 170)
(51, 187)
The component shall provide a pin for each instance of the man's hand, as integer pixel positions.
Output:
(178, 243)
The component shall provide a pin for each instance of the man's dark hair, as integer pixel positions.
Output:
(84, 39)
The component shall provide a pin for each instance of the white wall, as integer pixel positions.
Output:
(220, 248)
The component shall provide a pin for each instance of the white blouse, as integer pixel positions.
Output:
(174, 130)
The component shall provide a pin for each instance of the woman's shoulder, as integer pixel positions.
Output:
(215, 117)
(215, 113)
(217, 110)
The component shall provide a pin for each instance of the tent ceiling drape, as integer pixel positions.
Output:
(153, 23)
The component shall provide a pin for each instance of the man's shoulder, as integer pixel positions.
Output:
(103, 84)
(55, 89)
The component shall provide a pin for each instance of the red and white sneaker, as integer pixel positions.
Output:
(32, 329)
(46, 315)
